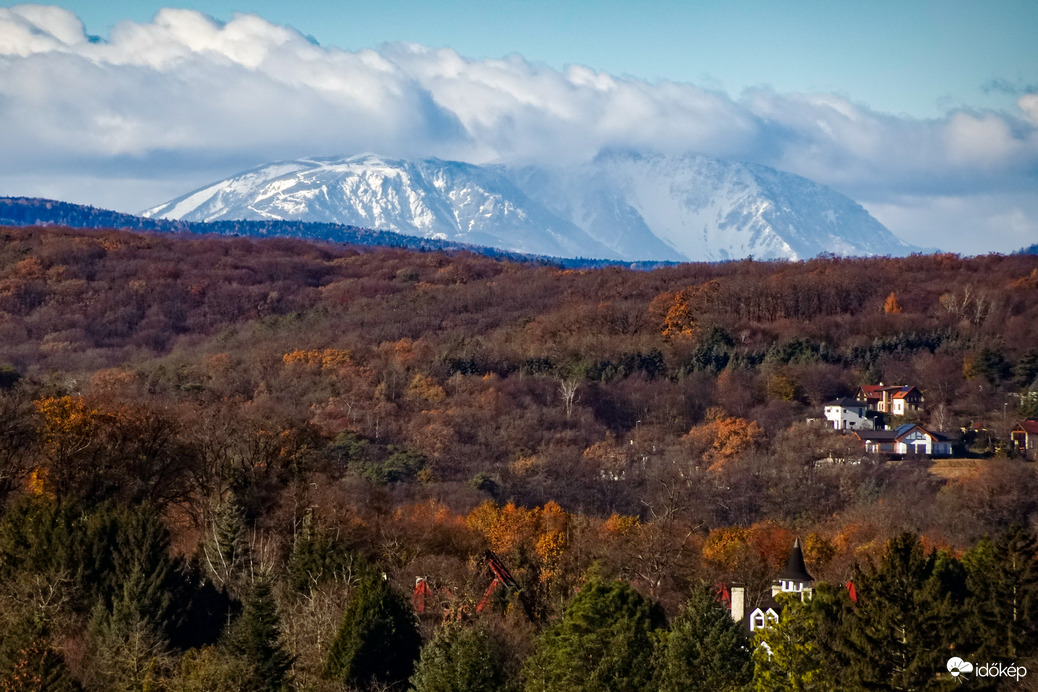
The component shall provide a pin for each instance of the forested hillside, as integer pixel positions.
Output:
(35, 211)
(224, 462)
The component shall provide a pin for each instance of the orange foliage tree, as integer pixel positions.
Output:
(681, 310)
(73, 433)
(319, 358)
(753, 555)
(723, 438)
(431, 527)
(533, 541)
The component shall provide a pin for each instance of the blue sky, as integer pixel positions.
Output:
(925, 111)
(916, 57)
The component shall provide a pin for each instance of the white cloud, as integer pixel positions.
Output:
(968, 224)
(1029, 105)
(29, 29)
(185, 93)
(985, 140)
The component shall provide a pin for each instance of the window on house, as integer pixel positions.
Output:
(757, 620)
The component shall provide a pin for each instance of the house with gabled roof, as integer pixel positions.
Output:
(897, 400)
(910, 438)
(1025, 438)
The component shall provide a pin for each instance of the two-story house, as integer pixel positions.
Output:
(1025, 438)
(849, 414)
(897, 400)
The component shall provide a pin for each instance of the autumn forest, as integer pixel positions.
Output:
(266, 464)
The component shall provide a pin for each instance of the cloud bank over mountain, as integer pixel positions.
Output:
(155, 109)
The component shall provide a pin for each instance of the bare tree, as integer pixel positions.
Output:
(940, 417)
(568, 390)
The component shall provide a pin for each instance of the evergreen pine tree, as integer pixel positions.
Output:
(255, 638)
(705, 649)
(460, 659)
(316, 557)
(830, 607)
(1003, 602)
(38, 536)
(127, 561)
(1025, 372)
(906, 621)
(378, 641)
(129, 647)
(124, 555)
(225, 552)
(605, 641)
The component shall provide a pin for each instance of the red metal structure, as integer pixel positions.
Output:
(502, 577)
(422, 593)
(426, 594)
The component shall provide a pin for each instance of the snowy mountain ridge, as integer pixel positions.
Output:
(623, 205)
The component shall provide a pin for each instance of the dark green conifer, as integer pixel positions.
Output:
(378, 641)
(127, 561)
(1025, 372)
(255, 638)
(38, 536)
(906, 622)
(225, 552)
(316, 557)
(125, 557)
(1002, 576)
(830, 607)
(605, 641)
(705, 649)
(9, 376)
(461, 659)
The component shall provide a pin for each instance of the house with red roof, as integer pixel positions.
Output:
(897, 399)
(1025, 438)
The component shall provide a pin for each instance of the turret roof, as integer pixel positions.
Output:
(796, 570)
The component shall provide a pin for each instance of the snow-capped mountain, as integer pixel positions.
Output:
(622, 205)
(432, 199)
(708, 209)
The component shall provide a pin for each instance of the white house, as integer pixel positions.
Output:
(909, 438)
(849, 414)
(795, 579)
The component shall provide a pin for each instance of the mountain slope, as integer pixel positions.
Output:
(448, 200)
(622, 205)
(707, 209)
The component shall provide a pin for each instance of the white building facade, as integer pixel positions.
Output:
(848, 414)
